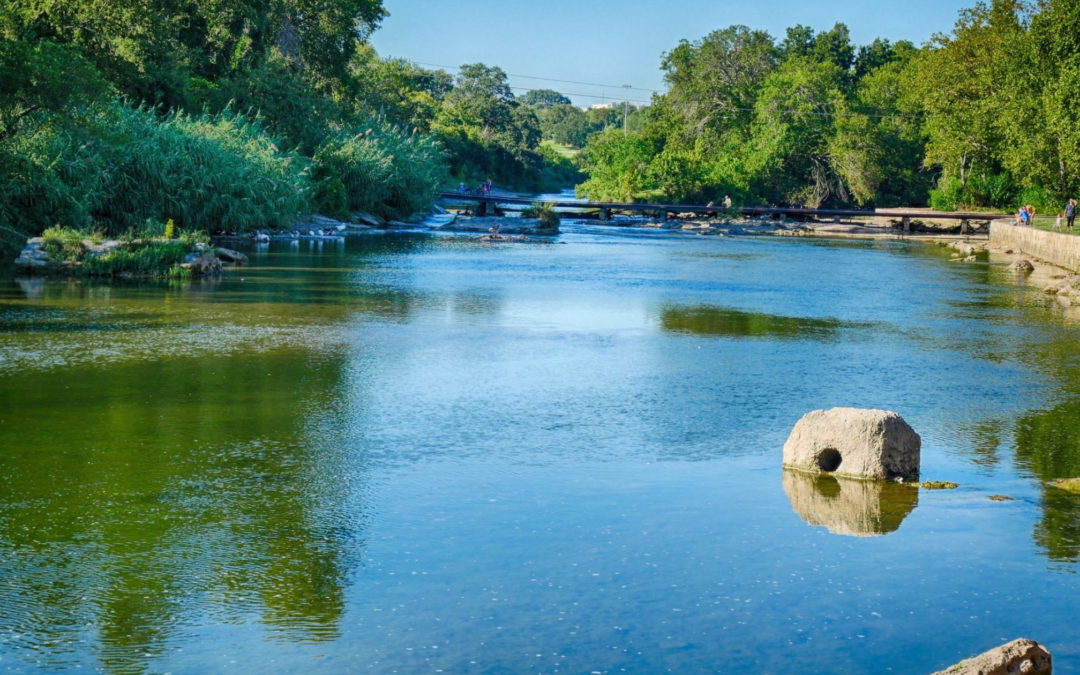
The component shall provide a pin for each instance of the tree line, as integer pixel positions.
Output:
(237, 115)
(985, 116)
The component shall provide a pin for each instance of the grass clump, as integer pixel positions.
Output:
(65, 243)
(140, 259)
(545, 213)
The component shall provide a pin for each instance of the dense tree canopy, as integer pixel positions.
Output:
(981, 117)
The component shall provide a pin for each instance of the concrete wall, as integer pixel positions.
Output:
(1062, 250)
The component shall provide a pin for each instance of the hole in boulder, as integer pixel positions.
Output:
(829, 460)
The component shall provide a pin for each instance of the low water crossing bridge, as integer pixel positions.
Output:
(491, 205)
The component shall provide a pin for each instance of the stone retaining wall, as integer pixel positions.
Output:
(1057, 249)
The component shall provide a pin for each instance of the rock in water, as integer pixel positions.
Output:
(1019, 657)
(1024, 266)
(869, 444)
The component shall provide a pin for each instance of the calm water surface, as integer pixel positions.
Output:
(416, 453)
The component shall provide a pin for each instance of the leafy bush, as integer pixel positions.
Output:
(64, 243)
(382, 170)
(948, 196)
(545, 213)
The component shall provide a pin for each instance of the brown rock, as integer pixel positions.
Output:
(1020, 657)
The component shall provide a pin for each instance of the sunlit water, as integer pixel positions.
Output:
(416, 453)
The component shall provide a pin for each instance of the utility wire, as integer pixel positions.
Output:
(549, 79)
(679, 104)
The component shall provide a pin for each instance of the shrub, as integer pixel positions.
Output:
(144, 259)
(545, 213)
(382, 170)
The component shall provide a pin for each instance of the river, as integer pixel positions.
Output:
(414, 453)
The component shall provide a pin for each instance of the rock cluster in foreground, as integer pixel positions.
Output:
(1019, 657)
(854, 443)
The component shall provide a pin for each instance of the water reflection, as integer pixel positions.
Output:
(725, 322)
(171, 491)
(854, 508)
(1048, 445)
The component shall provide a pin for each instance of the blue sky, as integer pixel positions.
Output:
(616, 43)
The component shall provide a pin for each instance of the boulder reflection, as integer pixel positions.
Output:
(853, 508)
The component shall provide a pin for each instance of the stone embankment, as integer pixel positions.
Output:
(1061, 250)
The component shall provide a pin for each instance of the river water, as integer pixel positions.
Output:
(415, 453)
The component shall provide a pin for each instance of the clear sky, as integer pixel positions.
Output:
(620, 42)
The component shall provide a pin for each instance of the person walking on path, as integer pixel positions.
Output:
(1031, 215)
(1057, 224)
(1070, 214)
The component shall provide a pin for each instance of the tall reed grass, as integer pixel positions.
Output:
(220, 172)
(129, 166)
(382, 169)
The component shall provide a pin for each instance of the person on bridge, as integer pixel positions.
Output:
(461, 188)
(489, 185)
(1070, 214)
(727, 202)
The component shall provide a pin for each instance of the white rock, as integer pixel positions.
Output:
(870, 444)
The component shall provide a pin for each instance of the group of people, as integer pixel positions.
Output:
(482, 190)
(1026, 216)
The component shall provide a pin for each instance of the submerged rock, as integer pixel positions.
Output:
(229, 255)
(870, 444)
(853, 508)
(1019, 657)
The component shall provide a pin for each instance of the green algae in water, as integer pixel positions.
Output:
(937, 485)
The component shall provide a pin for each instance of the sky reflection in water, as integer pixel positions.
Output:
(414, 453)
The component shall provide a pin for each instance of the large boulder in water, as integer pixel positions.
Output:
(854, 508)
(868, 444)
(1019, 657)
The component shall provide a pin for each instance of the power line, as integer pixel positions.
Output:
(549, 79)
(679, 104)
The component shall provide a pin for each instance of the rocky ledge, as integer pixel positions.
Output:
(500, 226)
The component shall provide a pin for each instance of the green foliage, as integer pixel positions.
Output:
(65, 243)
(204, 172)
(566, 125)
(558, 170)
(617, 166)
(488, 132)
(545, 213)
(139, 259)
(544, 98)
(382, 170)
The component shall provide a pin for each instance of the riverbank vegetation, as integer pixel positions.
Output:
(981, 117)
(137, 254)
(238, 116)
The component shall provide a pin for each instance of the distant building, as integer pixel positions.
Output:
(603, 106)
